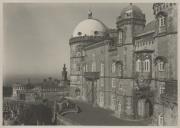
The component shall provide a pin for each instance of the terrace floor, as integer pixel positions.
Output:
(90, 115)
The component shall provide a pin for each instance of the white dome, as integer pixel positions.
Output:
(90, 27)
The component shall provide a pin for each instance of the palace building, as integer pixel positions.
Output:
(136, 64)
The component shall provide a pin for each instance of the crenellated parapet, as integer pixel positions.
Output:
(159, 7)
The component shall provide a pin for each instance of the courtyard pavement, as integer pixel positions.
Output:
(90, 115)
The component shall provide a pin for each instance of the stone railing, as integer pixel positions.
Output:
(87, 39)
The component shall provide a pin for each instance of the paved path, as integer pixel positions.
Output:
(98, 116)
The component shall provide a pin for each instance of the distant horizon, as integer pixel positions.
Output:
(24, 78)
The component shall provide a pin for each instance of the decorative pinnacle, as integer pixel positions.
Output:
(64, 68)
(89, 14)
(130, 3)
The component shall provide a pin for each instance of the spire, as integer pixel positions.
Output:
(64, 68)
(89, 14)
(64, 73)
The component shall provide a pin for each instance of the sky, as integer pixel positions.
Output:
(36, 35)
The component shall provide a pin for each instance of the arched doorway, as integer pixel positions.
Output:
(144, 108)
(148, 108)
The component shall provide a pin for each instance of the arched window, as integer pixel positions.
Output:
(161, 63)
(161, 66)
(138, 65)
(147, 65)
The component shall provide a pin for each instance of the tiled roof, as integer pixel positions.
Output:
(148, 28)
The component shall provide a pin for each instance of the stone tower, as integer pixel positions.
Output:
(64, 73)
(166, 35)
(129, 23)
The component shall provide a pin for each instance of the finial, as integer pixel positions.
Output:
(89, 14)
(64, 67)
(130, 3)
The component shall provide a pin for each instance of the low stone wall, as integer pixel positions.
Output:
(64, 121)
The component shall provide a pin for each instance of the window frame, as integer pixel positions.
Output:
(138, 65)
(113, 82)
(147, 65)
(102, 69)
(120, 37)
(162, 89)
(161, 66)
(120, 67)
(113, 67)
(161, 120)
(162, 23)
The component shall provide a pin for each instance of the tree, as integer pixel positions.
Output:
(37, 113)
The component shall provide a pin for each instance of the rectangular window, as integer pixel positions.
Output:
(120, 70)
(102, 69)
(162, 24)
(161, 120)
(162, 88)
(86, 67)
(83, 53)
(102, 82)
(120, 37)
(113, 82)
(161, 66)
(113, 67)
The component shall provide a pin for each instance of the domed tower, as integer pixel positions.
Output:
(130, 22)
(86, 32)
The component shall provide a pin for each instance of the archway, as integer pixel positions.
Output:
(144, 108)
(148, 108)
